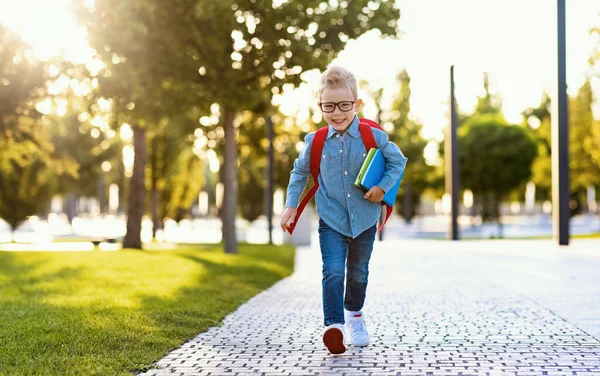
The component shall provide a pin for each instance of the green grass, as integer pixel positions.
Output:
(576, 236)
(541, 237)
(587, 236)
(115, 313)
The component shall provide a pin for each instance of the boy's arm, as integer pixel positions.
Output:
(299, 174)
(395, 161)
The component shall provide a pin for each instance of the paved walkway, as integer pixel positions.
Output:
(433, 308)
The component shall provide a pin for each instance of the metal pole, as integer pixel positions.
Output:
(383, 212)
(560, 138)
(452, 163)
(270, 171)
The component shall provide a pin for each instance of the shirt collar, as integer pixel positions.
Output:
(352, 130)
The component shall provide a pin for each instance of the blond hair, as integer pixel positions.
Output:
(335, 77)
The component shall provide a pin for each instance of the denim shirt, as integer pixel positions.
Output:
(339, 203)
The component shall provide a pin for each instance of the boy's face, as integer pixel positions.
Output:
(343, 104)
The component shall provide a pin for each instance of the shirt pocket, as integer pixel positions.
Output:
(356, 160)
(331, 166)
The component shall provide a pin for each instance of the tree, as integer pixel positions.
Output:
(143, 45)
(182, 185)
(407, 135)
(272, 44)
(22, 83)
(495, 158)
(252, 166)
(24, 190)
(584, 172)
(290, 132)
(176, 171)
(28, 162)
(88, 148)
(78, 137)
(489, 103)
(593, 143)
(538, 120)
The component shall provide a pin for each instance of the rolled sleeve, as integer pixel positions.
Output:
(395, 161)
(299, 174)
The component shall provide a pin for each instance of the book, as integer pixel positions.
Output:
(364, 167)
(372, 171)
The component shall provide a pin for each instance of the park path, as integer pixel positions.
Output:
(433, 308)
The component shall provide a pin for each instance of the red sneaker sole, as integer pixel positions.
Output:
(334, 341)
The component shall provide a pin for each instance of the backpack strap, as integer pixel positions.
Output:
(371, 123)
(315, 167)
(366, 133)
(315, 152)
(388, 212)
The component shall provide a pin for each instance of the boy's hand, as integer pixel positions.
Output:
(288, 217)
(375, 194)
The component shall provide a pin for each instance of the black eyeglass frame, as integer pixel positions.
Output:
(338, 105)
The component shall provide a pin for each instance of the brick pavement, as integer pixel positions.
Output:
(433, 308)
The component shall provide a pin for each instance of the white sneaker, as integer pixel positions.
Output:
(355, 322)
(334, 338)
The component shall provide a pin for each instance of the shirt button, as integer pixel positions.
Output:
(338, 136)
(341, 151)
(345, 172)
(364, 155)
(323, 155)
(348, 194)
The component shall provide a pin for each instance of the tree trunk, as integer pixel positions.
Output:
(122, 186)
(498, 216)
(230, 184)
(135, 208)
(101, 193)
(70, 207)
(475, 208)
(488, 207)
(154, 198)
(156, 221)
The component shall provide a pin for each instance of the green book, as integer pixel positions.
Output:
(364, 168)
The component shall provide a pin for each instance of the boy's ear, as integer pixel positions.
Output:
(357, 104)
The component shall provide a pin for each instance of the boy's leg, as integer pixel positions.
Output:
(334, 249)
(359, 254)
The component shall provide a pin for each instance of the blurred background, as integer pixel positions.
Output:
(139, 122)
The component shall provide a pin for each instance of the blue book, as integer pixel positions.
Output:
(372, 171)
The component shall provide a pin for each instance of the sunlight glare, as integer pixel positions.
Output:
(126, 133)
(44, 106)
(49, 27)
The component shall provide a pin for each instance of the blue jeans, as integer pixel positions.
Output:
(338, 252)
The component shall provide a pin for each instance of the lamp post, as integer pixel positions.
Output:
(452, 163)
(560, 138)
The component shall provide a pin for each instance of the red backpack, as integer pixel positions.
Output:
(316, 149)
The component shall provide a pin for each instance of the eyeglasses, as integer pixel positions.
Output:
(344, 106)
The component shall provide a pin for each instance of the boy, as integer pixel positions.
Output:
(348, 217)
